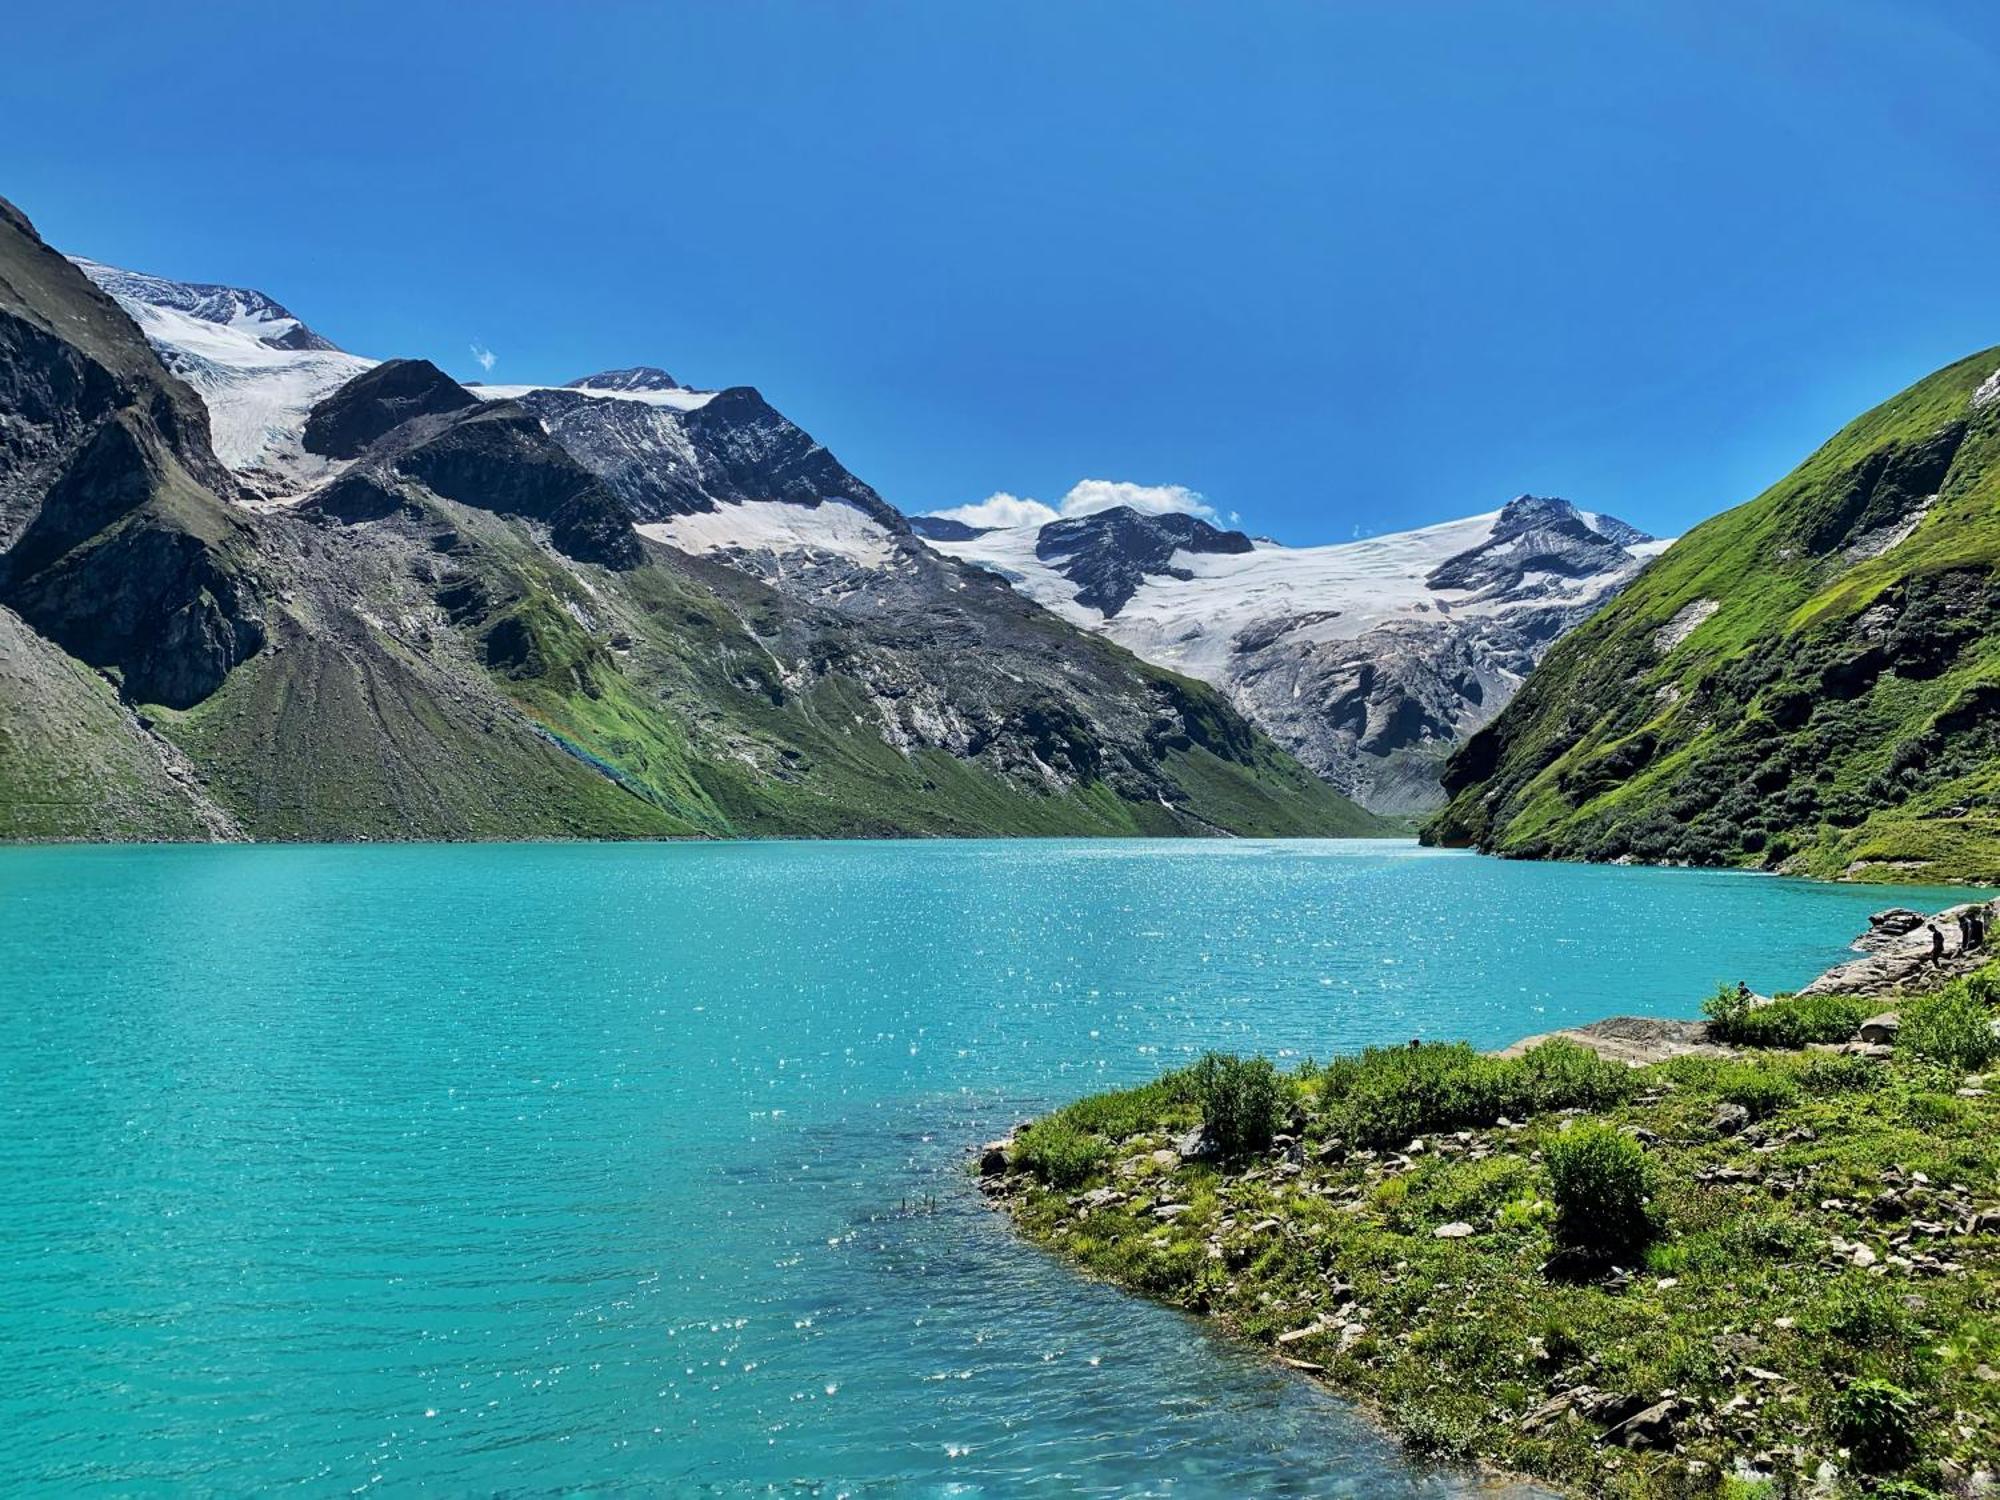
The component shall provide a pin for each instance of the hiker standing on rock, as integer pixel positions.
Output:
(1972, 929)
(1937, 939)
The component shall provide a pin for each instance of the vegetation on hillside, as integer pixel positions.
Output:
(1810, 681)
(1755, 1275)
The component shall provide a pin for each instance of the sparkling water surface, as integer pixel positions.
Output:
(530, 1169)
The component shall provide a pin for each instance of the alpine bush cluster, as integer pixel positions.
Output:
(1791, 1021)
(1240, 1098)
(1386, 1095)
(1600, 1183)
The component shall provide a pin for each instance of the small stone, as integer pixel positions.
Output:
(1458, 1231)
(1729, 1119)
(1879, 1030)
(1198, 1145)
(1166, 1212)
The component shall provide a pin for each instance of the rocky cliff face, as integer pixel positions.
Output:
(394, 607)
(1804, 682)
(117, 548)
(1370, 661)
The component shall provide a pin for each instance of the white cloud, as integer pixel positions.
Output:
(1085, 498)
(1000, 509)
(1092, 495)
(486, 357)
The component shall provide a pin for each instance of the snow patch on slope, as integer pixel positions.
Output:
(679, 399)
(782, 529)
(232, 347)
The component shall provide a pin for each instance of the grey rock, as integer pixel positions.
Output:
(1880, 1030)
(1729, 1119)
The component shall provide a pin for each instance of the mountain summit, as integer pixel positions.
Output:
(1369, 660)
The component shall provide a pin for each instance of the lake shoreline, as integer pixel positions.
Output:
(1161, 1215)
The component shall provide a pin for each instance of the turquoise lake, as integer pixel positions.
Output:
(530, 1169)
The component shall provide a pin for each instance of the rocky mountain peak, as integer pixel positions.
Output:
(242, 309)
(1537, 537)
(1110, 553)
(634, 378)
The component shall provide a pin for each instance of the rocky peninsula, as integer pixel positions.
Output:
(1754, 1255)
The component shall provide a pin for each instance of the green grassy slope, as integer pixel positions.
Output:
(1790, 685)
(696, 714)
(77, 764)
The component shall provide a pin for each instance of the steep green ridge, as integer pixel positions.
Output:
(1808, 682)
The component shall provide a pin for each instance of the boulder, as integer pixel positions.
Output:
(993, 1158)
(1880, 1030)
(1646, 1431)
(1729, 1119)
(1457, 1231)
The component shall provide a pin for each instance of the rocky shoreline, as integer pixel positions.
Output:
(1411, 1270)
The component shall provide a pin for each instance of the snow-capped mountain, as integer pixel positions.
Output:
(1369, 660)
(712, 472)
(413, 612)
(258, 368)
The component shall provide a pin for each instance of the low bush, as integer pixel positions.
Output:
(1841, 1074)
(1791, 1021)
(1600, 1182)
(1058, 1153)
(1763, 1090)
(1860, 1313)
(1877, 1423)
(1125, 1112)
(1241, 1100)
(1952, 1028)
(1386, 1095)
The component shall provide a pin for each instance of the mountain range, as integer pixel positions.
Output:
(1368, 660)
(1809, 682)
(252, 585)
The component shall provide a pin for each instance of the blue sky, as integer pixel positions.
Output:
(1339, 268)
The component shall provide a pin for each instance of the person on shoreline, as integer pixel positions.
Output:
(1937, 940)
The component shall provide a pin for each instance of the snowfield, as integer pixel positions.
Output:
(781, 529)
(674, 400)
(1331, 593)
(231, 346)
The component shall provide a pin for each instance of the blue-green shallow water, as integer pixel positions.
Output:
(527, 1169)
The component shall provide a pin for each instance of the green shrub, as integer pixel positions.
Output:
(1058, 1153)
(1240, 1098)
(1792, 1021)
(1762, 1089)
(1952, 1028)
(1839, 1074)
(1387, 1095)
(1124, 1112)
(1877, 1423)
(1599, 1181)
(1861, 1314)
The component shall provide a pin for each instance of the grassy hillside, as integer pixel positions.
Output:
(1807, 682)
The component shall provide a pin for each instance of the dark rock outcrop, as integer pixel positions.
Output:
(378, 401)
(1110, 553)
